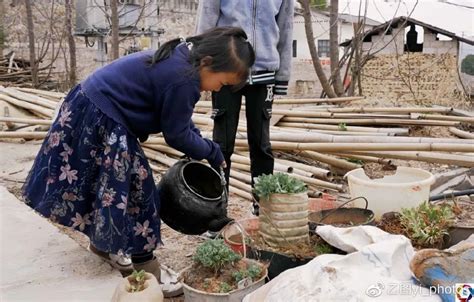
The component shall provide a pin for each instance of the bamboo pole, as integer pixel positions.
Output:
(159, 157)
(396, 131)
(332, 132)
(240, 185)
(244, 177)
(365, 158)
(162, 148)
(32, 107)
(370, 121)
(310, 137)
(27, 121)
(461, 133)
(386, 110)
(52, 94)
(318, 100)
(23, 134)
(277, 166)
(240, 193)
(316, 172)
(339, 147)
(34, 99)
(430, 157)
(335, 162)
(464, 119)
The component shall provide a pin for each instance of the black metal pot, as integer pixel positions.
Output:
(193, 198)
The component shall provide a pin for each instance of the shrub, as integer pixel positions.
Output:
(427, 224)
(215, 254)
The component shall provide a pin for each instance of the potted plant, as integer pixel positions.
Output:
(138, 287)
(283, 202)
(427, 225)
(220, 274)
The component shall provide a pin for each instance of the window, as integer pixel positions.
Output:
(323, 48)
(294, 49)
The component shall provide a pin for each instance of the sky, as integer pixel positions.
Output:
(451, 15)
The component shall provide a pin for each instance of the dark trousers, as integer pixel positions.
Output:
(258, 109)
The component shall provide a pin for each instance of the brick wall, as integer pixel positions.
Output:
(428, 78)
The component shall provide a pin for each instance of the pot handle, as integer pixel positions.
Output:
(344, 203)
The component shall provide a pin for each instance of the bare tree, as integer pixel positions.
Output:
(313, 50)
(334, 47)
(114, 21)
(31, 38)
(2, 26)
(71, 44)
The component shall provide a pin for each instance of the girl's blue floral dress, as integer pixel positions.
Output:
(92, 175)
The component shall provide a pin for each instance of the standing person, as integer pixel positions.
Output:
(91, 173)
(269, 26)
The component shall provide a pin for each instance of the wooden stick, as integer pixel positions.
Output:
(461, 133)
(244, 177)
(277, 166)
(370, 121)
(240, 185)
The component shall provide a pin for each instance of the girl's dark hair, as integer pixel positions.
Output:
(227, 46)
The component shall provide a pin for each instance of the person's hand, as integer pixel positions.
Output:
(223, 165)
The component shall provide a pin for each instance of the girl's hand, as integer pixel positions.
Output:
(224, 165)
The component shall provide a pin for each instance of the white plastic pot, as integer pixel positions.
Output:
(194, 295)
(407, 188)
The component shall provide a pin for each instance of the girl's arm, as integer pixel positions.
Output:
(178, 129)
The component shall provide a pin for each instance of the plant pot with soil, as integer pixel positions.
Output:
(220, 274)
(426, 225)
(281, 234)
(138, 287)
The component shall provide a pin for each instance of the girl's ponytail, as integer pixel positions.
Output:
(165, 50)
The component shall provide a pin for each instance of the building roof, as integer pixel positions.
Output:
(347, 18)
(354, 19)
(394, 23)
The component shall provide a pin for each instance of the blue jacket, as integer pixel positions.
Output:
(269, 27)
(152, 99)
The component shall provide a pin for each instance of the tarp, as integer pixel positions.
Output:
(376, 269)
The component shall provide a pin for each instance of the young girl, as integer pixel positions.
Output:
(91, 173)
(269, 24)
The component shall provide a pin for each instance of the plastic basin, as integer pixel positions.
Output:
(407, 188)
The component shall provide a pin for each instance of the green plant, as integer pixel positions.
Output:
(323, 248)
(467, 65)
(252, 272)
(215, 254)
(342, 126)
(137, 282)
(224, 287)
(427, 224)
(355, 161)
(265, 185)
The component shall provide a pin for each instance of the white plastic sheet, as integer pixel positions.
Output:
(376, 269)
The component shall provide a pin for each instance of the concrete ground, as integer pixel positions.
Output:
(38, 262)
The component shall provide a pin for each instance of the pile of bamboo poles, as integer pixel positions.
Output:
(316, 141)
